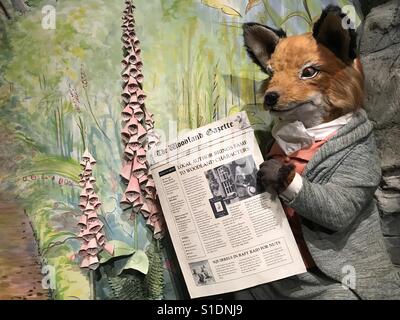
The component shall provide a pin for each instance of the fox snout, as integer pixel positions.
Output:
(314, 77)
(270, 99)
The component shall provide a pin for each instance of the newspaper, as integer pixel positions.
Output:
(227, 234)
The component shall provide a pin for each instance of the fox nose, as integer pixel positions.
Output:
(271, 98)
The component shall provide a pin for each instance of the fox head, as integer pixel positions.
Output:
(314, 77)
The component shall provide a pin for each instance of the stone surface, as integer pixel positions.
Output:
(380, 54)
(367, 5)
(389, 147)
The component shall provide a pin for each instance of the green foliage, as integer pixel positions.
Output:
(121, 249)
(54, 239)
(223, 6)
(43, 164)
(126, 288)
(137, 261)
(133, 285)
(297, 14)
(154, 280)
(273, 14)
(71, 284)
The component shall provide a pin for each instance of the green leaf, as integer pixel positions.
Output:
(21, 136)
(306, 7)
(59, 236)
(138, 261)
(223, 6)
(343, 3)
(275, 17)
(65, 167)
(120, 249)
(314, 8)
(233, 110)
(297, 14)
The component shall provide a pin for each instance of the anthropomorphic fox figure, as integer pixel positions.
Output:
(324, 163)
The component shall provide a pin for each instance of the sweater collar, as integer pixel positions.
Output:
(357, 129)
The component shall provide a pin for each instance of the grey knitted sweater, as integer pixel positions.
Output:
(340, 219)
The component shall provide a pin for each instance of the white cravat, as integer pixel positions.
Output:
(293, 136)
(324, 130)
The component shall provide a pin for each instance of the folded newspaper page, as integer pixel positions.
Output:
(227, 234)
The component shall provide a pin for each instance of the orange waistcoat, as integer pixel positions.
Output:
(300, 159)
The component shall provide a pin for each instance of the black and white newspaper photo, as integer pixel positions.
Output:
(227, 233)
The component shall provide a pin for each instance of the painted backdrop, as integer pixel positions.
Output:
(60, 93)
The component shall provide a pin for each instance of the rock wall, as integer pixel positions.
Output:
(380, 54)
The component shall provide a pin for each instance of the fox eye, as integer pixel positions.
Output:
(309, 72)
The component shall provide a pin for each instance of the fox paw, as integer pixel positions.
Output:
(275, 175)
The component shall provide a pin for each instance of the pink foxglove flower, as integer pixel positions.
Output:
(137, 133)
(91, 228)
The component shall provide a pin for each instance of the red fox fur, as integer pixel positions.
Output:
(336, 89)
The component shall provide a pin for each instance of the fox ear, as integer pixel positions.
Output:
(260, 42)
(333, 31)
